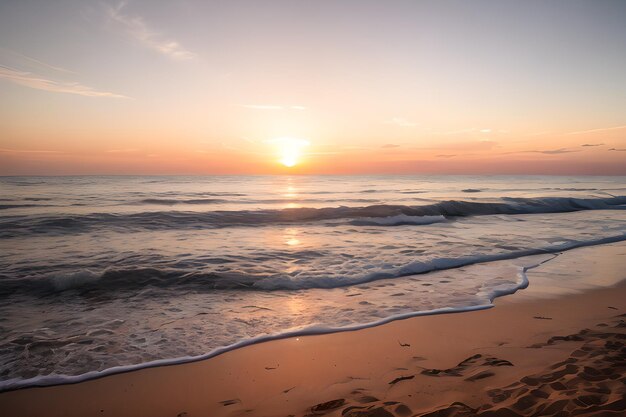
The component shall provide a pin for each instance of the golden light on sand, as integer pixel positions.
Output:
(289, 150)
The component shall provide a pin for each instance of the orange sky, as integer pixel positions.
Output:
(400, 87)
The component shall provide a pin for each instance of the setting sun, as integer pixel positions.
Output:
(289, 149)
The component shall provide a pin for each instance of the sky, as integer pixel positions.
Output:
(312, 87)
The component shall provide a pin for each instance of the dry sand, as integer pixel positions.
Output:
(530, 355)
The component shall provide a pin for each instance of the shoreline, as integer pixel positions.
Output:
(251, 378)
(530, 260)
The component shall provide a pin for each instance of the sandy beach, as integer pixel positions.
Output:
(542, 351)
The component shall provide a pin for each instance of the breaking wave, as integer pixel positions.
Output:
(13, 226)
(87, 282)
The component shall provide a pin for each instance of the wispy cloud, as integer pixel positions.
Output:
(400, 121)
(556, 151)
(390, 146)
(31, 80)
(602, 129)
(272, 107)
(469, 146)
(546, 152)
(27, 61)
(586, 145)
(6, 150)
(618, 149)
(137, 28)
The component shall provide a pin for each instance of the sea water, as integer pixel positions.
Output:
(100, 274)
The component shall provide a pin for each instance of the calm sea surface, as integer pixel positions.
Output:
(102, 272)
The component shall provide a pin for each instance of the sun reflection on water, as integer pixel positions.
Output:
(291, 237)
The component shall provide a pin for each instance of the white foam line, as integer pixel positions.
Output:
(439, 264)
(49, 380)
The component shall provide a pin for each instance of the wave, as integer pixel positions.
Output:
(12, 206)
(13, 226)
(57, 379)
(399, 220)
(171, 202)
(90, 283)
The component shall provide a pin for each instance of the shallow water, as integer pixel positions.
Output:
(97, 272)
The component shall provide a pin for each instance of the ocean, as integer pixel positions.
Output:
(101, 274)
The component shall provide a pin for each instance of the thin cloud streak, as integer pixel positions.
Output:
(6, 150)
(139, 30)
(603, 129)
(546, 152)
(33, 60)
(31, 80)
(482, 145)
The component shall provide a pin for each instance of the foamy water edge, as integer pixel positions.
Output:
(523, 282)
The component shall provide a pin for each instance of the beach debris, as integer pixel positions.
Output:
(258, 307)
(230, 402)
(328, 405)
(542, 318)
(404, 344)
(401, 378)
(288, 389)
(270, 368)
(357, 378)
(613, 308)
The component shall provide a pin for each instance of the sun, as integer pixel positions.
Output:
(289, 150)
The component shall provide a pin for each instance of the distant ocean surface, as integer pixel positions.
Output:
(103, 272)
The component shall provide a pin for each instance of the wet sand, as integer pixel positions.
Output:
(542, 351)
